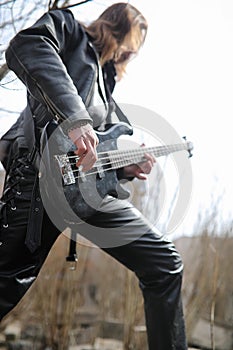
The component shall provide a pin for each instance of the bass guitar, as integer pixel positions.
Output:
(84, 191)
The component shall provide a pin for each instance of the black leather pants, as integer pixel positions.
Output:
(142, 249)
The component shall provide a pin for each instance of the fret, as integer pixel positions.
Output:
(121, 158)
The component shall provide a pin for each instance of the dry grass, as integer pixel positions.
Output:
(111, 292)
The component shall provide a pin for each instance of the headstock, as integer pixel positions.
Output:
(189, 146)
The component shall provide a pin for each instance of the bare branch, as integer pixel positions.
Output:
(77, 4)
(6, 3)
(3, 71)
(8, 111)
(54, 5)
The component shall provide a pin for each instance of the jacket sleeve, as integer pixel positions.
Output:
(35, 55)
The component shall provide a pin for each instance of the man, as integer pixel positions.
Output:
(65, 65)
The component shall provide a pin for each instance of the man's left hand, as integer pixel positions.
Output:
(140, 170)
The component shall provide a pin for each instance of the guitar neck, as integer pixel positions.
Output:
(121, 158)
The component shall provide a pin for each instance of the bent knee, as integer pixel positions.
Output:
(165, 268)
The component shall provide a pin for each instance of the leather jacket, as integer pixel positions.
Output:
(56, 61)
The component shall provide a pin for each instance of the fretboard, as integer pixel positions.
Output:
(121, 158)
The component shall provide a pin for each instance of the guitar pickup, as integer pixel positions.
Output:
(65, 169)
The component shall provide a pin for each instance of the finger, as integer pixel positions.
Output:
(94, 139)
(150, 158)
(140, 175)
(145, 168)
(81, 148)
(75, 133)
(89, 158)
(88, 162)
(148, 165)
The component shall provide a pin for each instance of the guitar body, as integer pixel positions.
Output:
(82, 192)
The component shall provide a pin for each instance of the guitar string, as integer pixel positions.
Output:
(106, 169)
(94, 172)
(140, 151)
(116, 162)
(131, 156)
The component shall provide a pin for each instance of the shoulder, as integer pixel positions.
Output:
(59, 18)
(59, 21)
(61, 13)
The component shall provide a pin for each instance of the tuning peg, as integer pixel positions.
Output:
(190, 153)
(190, 148)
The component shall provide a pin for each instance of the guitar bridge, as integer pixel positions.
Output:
(65, 169)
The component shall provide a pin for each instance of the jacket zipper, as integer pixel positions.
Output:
(58, 116)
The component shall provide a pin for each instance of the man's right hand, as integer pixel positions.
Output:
(86, 141)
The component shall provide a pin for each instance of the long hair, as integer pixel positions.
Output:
(119, 22)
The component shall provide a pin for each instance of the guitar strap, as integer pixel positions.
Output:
(121, 116)
(109, 73)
